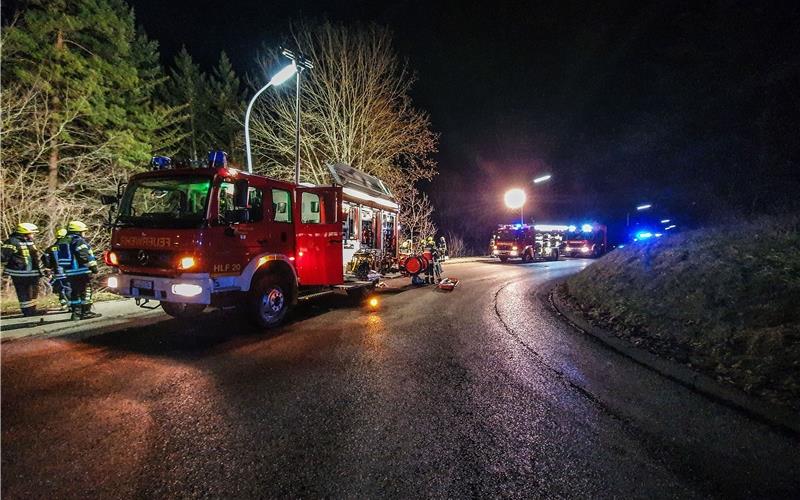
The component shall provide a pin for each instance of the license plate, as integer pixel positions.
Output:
(142, 284)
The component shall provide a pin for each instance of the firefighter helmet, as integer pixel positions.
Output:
(27, 228)
(76, 226)
(61, 232)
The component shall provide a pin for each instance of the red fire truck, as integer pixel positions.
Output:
(194, 237)
(587, 240)
(527, 242)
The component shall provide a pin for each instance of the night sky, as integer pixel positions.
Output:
(695, 109)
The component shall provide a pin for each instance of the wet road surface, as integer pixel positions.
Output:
(479, 392)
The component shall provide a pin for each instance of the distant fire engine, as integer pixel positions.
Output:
(586, 240)
(194, 237)
(527, 242)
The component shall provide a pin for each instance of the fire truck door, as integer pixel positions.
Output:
(319, 235)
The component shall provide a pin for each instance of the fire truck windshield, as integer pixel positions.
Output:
(508, 234)
(165, 202)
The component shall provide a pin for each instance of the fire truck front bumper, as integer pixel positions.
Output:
(185, 289)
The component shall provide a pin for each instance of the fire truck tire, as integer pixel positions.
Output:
(268, 302)
(182, 311)
(527, 257)
(554, 255)
(503, 259)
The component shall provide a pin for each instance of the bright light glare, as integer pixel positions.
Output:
(644, 207)
(515, 198)
(187, 289)
(373, 302)
(113, 282)
(542, 179)
(586, 228)
(669, 227)
(284, 74)
(572, 229)
(186, 263)
(643, 235)
(551, 227)
(664, 221)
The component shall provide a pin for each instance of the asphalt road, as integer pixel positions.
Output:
(475, 393)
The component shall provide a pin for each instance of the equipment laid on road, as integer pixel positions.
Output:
(528, 242)
(448, 284)
(194, 237)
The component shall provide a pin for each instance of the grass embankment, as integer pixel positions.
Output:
(724, 300)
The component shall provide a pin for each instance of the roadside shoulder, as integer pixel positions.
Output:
(765, 411)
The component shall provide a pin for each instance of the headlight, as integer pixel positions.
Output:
(112, 259)
(186, 263)
(513, 252)
(495, 252)
(187, 289)
(585, 249)
(513, 248)
(113, 282)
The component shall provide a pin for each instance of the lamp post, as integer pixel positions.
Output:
(280, 77)
(639, 208)
(301, 63)
(298, 65)
(515, 198)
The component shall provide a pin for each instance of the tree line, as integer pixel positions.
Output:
(86, 103)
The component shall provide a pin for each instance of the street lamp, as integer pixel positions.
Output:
(515, 198)
(639, 208)
(542, 178)
(299, 63)
(280, 77)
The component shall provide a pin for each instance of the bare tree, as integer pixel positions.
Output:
(355, 110)
(29, 130)
(455, 245)
(416, 222)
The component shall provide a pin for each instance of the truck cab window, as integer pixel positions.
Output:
(255, 204)
(281, 206)
(309, 208)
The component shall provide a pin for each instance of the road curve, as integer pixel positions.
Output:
(478, 392)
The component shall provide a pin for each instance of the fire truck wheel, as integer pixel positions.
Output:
(554, 255)
(268, 302)
(503, 259)
(182, 311)
(527, 257)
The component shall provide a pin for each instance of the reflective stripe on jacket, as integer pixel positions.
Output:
(81, 260)
(20, 257)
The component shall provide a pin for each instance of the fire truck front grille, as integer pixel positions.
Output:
(161, 259)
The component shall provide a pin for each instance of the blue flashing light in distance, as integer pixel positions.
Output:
(586, 228)
(643, 235)
(572, 229)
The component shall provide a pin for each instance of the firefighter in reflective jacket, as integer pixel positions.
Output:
(76, 257)
(431, 254)
(51, 259)
(21, 262)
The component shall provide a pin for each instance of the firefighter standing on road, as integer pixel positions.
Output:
(431, 254)
(79, 264)
(59, 281)
(22, 264)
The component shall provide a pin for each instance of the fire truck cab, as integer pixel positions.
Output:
(195, 237)
(586, 240)
(527, 242)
